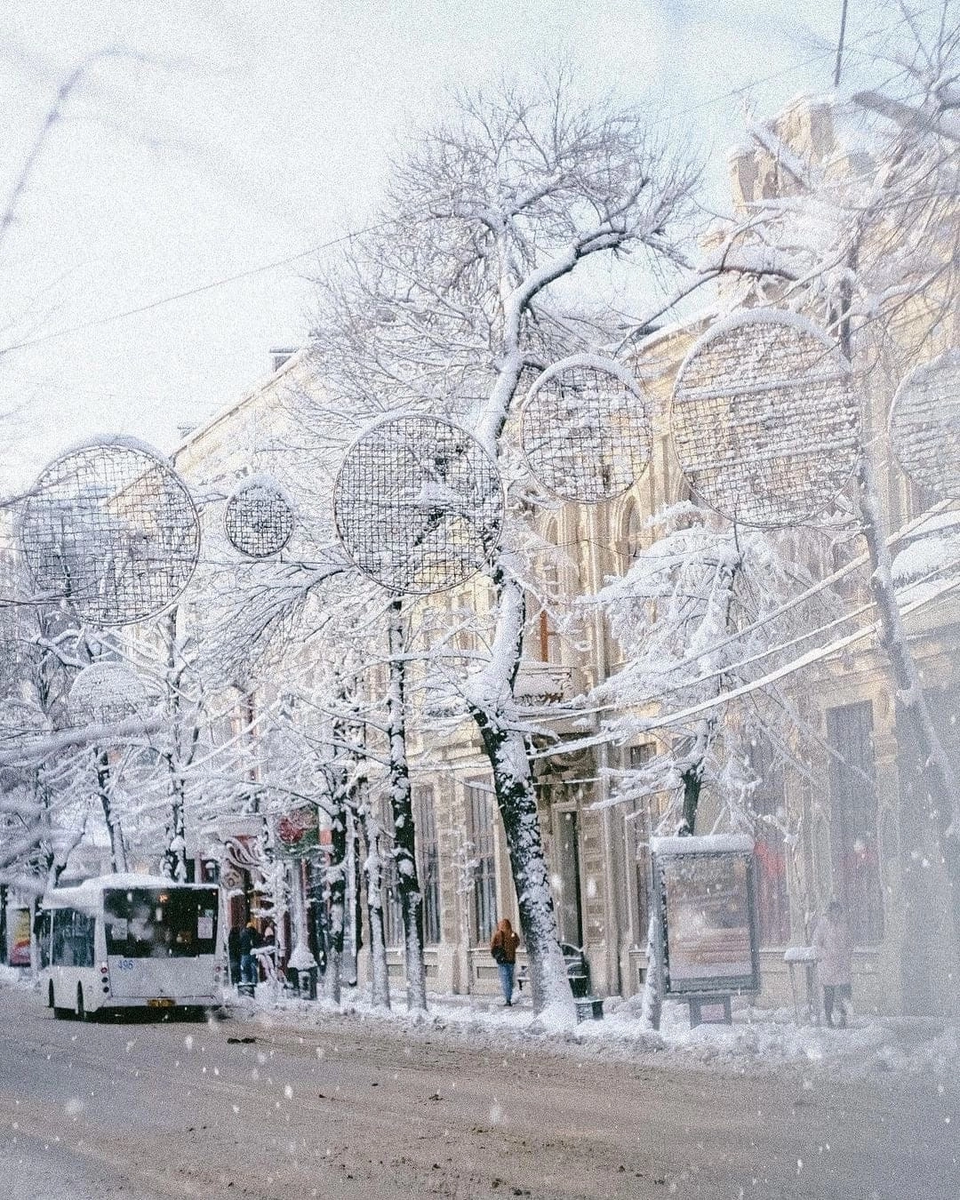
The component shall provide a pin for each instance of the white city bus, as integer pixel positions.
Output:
(130, 941)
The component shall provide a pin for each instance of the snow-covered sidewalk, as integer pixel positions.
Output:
(758, 1041)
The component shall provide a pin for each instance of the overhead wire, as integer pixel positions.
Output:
(287, 260)
(99, 322)
(664, 720)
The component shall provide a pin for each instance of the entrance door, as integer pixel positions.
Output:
(566, 879)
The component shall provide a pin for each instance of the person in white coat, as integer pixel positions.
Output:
(831, 939)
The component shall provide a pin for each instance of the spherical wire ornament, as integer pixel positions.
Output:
(418, 504)
(106, 692)
(925, 425)
(110, 528)
(765, 423)
(585, 430)
(258, 519)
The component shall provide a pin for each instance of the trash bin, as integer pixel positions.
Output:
(302, 971)
(307, 983)
(578, 970)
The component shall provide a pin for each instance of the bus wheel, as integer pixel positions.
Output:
(59, 1013)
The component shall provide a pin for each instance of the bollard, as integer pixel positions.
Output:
(307, 983)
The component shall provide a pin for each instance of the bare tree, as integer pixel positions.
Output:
(446, 306)
(865, 241)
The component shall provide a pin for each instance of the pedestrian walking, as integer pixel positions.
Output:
(831, 939)
(503, 948)
(249, 941)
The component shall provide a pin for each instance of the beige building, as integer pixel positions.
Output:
(830, 817)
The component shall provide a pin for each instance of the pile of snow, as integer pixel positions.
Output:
(759, 1041)
(15, 977)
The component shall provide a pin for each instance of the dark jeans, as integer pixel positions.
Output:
(248, 969)
(506, 980)
(836, 994)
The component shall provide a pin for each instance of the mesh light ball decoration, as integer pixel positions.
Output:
(925, 425)
(765, 423)
(585, 429)
(111, 528)
(106, 692)
(418, 505)
(258, 519)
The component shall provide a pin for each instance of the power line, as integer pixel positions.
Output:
(99, 322)
(194, 291)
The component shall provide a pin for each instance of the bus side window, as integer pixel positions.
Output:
(44, 934)
(62, 937)
(72, 938)
(83, 927)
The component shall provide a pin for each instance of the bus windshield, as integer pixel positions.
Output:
(170, 922)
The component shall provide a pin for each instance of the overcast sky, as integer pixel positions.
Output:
(237, 133)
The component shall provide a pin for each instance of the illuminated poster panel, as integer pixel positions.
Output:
(708, 924)
(19, 954)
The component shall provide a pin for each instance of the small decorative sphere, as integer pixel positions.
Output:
(258, 519)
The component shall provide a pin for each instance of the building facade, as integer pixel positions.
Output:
(831, 811)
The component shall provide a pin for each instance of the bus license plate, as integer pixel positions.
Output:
(160, 1002)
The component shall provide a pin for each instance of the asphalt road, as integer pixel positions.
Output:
(137, 1111)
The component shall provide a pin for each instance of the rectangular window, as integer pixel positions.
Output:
(481, 830)
(169, 922)
(768, 804)
(43, 938)
(72, 938)
(428, 866)
(853, 820)
(636, 831)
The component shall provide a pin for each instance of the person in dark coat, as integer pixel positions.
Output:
(249, 941)
(233, 953)
(503, 947)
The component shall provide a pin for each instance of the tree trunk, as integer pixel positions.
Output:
(175, 855)
(118, 856)
(373, 879)
(517, 801)
(337, 888)
(504, 746)
(692, 783)
(405, 845)
(652, 1008)
(933, 794)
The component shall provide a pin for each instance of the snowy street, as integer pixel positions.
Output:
(480, 601)
(360, 1109)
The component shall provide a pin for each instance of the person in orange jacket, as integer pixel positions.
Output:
(503, 947)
